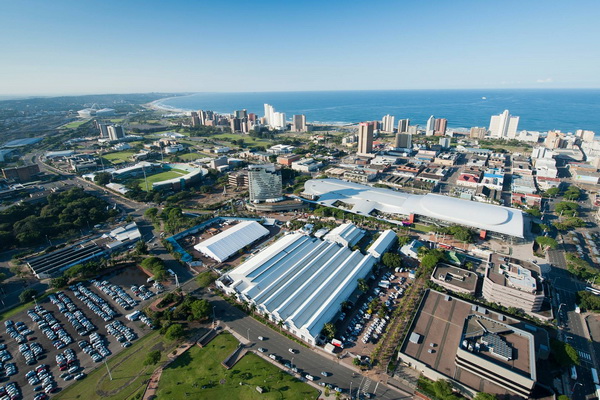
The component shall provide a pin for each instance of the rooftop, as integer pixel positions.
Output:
(454, 276)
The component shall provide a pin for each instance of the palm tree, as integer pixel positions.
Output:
(280, 324)
(252, 308)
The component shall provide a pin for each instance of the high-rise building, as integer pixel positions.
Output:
(241, 114)
(103, 130)
(504, 125)
(586, 136)
(235, 124)
(365, 137)
(430, 128)
(477, 132)
(403, 141)
(195, 119)
(299, 123)
(403, 125)
(264, 183)
(115, 132)
(275, 120)
(413, 129)
(440, 126)
(445, 142)
(387, 123)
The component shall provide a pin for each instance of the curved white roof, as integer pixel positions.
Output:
(222, 246)
(364, 199)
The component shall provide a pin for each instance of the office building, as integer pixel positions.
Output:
(403, 125)
(477, 349)
(430, 127)
(264, 183)
(365, 137)
(299, 123)
(241, 114)
(477, 132)
(387, 123)
(116, 132)
(445, 142)
(510, 284)
(24, 173)
(586, 136)
(455, 279)
(403, 141)
(103, 130)
(504, 126)
(440, 126)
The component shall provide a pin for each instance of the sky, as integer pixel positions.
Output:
(82, 47)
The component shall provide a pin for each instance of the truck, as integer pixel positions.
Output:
(384, 284)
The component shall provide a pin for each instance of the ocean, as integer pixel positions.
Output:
(539, 110)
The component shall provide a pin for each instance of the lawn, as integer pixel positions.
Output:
(127, 369)
(161, 176)
(248, 140)
(74, 124)
(200, 367)
(190, 156)
(119, 157)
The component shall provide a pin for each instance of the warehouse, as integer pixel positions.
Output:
(360, 199)
(300, 281)
(222, 246)
(382, 244)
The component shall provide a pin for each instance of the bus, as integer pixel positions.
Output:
(595, 376)
(573, 373)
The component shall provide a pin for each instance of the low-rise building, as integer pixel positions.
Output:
(346, 234)
(238, 179)
(523, 184)
(281, 149)
(545, 167)
(360, 175)
(468, 180)
(306, 165)
(493, 178)
(455, 279)
(447, 158)
(288, 159)
(382, 244)
(24, 173)
(411, 249)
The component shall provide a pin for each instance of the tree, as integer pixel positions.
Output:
(200, 309)
(174, 332)
(552, 192)
(546, 242)
(567, 208)
(141, 247)
(402, 240)
(356, 361)
(152, 358)
(362, 285)
(534, 211)
(102, 178)
(392, 260)
(151, 213)
(572, 193)
(27, 295)
(442, 388)
(2, 277)
(329, 330)
(59, 282)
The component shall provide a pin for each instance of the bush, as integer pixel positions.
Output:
(175, 332)
(27, 295)
(59, 282)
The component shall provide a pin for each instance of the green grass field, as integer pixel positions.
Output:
(200, 367)
(127, 369)
(74, 124)
(161, 176)
(250, 141)
(119, 157)
(190, 156)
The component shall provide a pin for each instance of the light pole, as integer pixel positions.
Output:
(248, 333)
(351, 390)
(214, 319)
(575, 385)
(292, 362)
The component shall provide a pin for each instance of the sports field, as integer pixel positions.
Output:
(198, 374)
(161, 176)
(119, 157)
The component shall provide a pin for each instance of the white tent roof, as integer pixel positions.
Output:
(365, 199)
(222, 246)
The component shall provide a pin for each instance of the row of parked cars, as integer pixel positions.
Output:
(42, 380)
(142, 292)
(375, 329)
(18, 331)
(115, 292)
(95, 303)
(31, 352)
(95, 348)
(74, 315)
(66, 360)
(11, 391)
(50, 327)
(121, 332)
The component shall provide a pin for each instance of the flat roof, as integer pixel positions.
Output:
(456, 276)
(364, 199)
(222, 246)
(444, 322)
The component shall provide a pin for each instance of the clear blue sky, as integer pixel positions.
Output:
(106, 46)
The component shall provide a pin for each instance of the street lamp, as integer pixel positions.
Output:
(214, 319)
(575, 385)
(350, 390)
(248, 334)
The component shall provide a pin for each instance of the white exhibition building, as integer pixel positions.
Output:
(301, 280)
(363, 200)
(227, 243)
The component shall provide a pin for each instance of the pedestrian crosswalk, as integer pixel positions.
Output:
(584, 356)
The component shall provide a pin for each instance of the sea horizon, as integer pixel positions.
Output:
(539, 109)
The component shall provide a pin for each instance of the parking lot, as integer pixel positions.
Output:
(67, 335)
(360, 330)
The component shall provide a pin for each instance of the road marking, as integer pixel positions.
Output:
(584, 355)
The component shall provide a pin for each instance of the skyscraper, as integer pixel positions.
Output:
(430, 128)
(241, 114)
(504, 125)
(264, 183)
(387, 123)
(115, 132)
(275, 120)
(195, 119)
(477, 132)
(440, 126)
(445, 142)
(299, 123)
(403, 125)
(103, 130)
(403, 141)
(365, 138)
